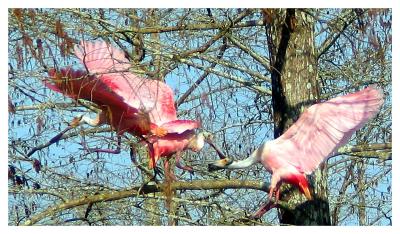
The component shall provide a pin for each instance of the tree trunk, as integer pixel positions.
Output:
(294, 88)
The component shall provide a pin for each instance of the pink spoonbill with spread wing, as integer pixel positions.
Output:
(129, 103)
(317, 134)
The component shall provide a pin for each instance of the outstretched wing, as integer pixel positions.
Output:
(325, 127)
(149, 95)
(77, 84)
(100, 57)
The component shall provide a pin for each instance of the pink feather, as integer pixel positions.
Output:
(316, 135)
(151, 96)
(321, 130)
(131, 99)
(99, 57)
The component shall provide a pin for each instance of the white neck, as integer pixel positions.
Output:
(252, 159)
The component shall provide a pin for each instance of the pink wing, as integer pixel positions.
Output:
(180, 126)
(325, 127)
(152, 96)
(99, 57)
(77, 84)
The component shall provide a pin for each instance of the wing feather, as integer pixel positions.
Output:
(100, 57)
(78, 84)
(325, 127)
(152, 96)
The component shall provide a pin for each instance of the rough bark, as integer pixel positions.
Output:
(294, 88)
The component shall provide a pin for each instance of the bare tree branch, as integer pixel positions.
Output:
(368, 151)
(116, 195)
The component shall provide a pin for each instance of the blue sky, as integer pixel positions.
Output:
(395, 111)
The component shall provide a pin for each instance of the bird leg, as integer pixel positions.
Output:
(272, 202)
(275, 186)
(263, 209)
(179, 164)
(274, 192)
(154, 153)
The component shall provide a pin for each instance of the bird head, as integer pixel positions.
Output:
(220, 164)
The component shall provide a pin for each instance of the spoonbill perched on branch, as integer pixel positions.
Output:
(317, 134)
(129, 103)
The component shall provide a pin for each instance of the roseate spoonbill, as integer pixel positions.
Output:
(317, 134)
(175, 143)
(129, 103)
